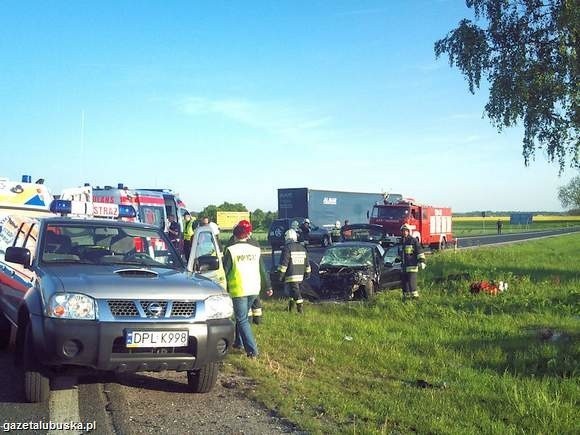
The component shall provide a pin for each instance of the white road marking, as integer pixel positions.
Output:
(63, 405)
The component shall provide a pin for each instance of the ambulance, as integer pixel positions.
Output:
(153, 206)
(24, 197)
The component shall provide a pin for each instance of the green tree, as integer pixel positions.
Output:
(258, 219)
(569, 195)
(210, 211)
(526, 50)
(226, 206)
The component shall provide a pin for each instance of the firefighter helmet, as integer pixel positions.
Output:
(306, 221)
(290, 236)
(406, 227)
(243, 229)
(246, 225)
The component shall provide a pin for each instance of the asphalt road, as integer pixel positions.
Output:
(467, 242)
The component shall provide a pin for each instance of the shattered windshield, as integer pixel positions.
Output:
(80, 243)
(348, 256)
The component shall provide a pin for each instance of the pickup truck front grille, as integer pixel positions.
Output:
(123, 309)
(147, 309)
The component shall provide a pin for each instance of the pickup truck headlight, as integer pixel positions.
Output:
(71, 306)
(219, 307)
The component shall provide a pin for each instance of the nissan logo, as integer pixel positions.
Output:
(155, 309)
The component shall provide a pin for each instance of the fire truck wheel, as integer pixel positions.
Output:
(369, 290)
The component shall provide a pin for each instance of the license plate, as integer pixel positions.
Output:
(157, 338)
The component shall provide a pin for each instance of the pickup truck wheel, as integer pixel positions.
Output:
(204, 379)
(369, 291)
(36, 383)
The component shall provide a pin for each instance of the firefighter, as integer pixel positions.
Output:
(305, 230)
(293, 269)
(255, 311)
(245, 277)
(412, 259)
(335, 233)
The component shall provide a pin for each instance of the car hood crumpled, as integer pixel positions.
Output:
(121, 282)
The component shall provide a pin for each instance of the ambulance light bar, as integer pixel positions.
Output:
(127, 211)
(80, 208)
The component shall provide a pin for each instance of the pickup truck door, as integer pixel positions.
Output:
(16, 279)
(205, 246)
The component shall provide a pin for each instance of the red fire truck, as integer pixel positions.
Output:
(430, 225)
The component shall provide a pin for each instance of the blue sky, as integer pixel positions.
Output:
(228, 101)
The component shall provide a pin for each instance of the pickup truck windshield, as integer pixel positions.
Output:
(82, 243)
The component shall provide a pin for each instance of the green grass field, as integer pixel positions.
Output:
(452, 362)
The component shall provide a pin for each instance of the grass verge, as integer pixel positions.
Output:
(451, 362)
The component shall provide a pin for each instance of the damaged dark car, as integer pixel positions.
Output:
(358, 269)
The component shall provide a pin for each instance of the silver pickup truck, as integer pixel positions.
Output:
(106, 295)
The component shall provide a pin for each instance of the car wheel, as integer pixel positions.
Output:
(36, 383)
(204, 379)
(369, 291)
(325, 242)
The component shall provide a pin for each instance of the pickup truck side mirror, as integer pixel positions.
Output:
(18, 255)
(207, 262)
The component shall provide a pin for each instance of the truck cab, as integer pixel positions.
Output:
(431, 226)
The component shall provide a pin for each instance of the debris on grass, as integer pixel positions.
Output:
(490, 287)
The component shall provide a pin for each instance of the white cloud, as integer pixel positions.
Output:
(288, 123)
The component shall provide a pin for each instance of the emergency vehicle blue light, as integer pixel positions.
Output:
(60, 206)
(127, 211)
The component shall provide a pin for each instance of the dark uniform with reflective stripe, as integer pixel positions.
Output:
(412, 255)
(293, 268)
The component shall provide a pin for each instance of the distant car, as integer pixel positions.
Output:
(358, 269)
(367, 233)
(108, 295)
(317, 236)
